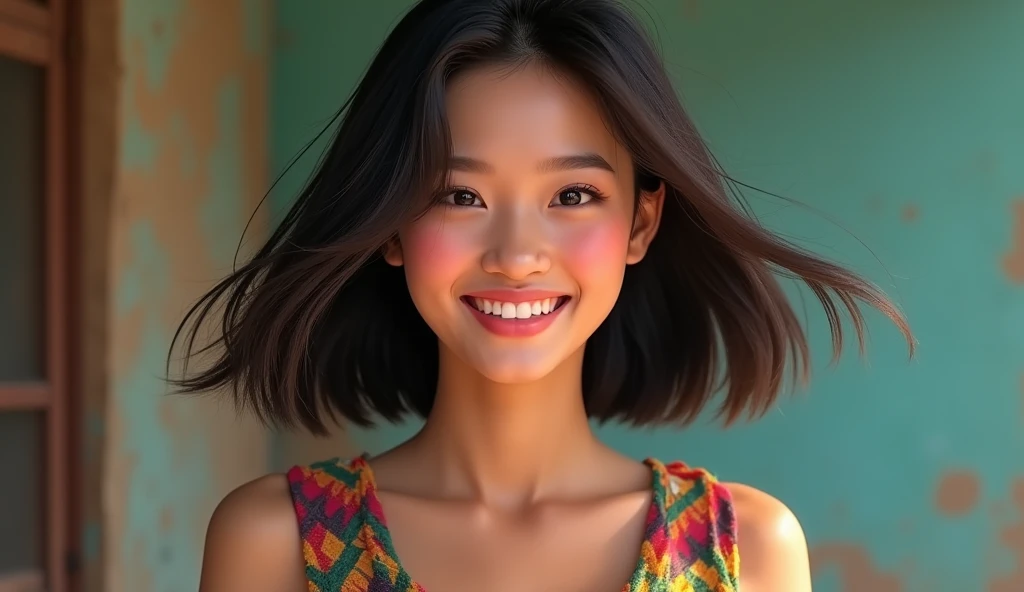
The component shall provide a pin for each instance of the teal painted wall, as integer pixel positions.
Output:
(190, 169)
(899, 125)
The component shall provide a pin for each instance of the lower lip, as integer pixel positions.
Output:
(515, 327)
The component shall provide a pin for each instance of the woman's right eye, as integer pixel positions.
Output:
(463, 198)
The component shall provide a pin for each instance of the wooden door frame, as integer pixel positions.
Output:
(48, 35)
(34, 33)
(95, 85)
(94, 92)
(81, 39)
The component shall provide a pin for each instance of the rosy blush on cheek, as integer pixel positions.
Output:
(595, 246)
(436, 250)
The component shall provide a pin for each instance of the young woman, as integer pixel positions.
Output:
(517, 229)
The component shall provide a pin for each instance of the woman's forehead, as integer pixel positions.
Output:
(495, 113)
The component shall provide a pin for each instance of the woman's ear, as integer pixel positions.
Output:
(393, 252)
(645, 224)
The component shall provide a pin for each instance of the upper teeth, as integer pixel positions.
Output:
(509, 310)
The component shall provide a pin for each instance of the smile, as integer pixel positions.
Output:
(518, 310)
(511, 314)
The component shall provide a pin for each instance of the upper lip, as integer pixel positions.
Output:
(515, 296)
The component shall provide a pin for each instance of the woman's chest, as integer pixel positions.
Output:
(455, 548)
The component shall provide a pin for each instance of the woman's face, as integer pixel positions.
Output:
(525, 256)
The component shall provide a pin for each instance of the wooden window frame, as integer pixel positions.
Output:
(35, 32)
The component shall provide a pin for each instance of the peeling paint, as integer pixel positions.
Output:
(1012, 538)
(957, 492)
(152, 27)
(1013, 260)
(854, 567)
(169, 469)
(256, 15)
(224, 218)
(179, 134)
(146, 279)
(191, 173)
(140, 146)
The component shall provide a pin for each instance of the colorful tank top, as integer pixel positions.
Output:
(690, 542)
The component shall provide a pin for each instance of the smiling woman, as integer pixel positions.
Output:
(517, 229)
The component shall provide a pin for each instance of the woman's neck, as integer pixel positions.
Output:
(506, 444)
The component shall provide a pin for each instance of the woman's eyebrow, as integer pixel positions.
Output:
(586, 160)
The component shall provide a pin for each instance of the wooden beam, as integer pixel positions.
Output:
(26, 13)
(23, 581)
(58, 265)
(26, 397)
(23, 44)
(25, 30)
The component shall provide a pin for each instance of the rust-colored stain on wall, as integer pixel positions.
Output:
(910, 213)
(1013, 260)
(1012, 538)
(957, 492)
(853, 564)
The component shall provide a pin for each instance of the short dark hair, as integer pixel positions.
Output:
(316, 324)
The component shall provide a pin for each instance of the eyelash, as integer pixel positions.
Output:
(590, 190)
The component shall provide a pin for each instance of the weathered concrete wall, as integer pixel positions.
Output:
(190, 169)
(902, 123)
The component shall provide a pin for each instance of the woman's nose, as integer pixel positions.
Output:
(518, 248)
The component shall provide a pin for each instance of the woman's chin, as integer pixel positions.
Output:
(512, 369)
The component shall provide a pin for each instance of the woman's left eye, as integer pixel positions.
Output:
(574, 196)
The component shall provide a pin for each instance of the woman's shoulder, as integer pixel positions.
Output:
(252, 542)
(772, 548)
(771, 541)
(258, 533)
(267, 499)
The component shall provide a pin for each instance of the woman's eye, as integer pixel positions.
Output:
(572, 197)
(463, 198)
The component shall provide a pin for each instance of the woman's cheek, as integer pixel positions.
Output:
(595, 248)
(434, 254)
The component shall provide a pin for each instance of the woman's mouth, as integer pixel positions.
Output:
(509, 314)
(516, 310)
